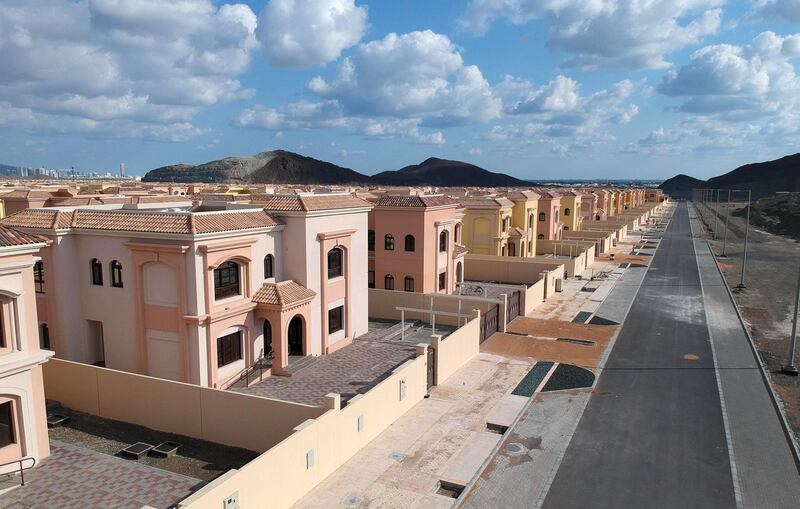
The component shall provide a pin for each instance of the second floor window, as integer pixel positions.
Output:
(410, 243)
(335, 259)
(442, 280)
(116, 274)
(542, 216)
(566, 212)
(97, 272)
(388, 282)
(443, 241)
(371, 279)
(370, 240)
(269, 269)
(388, 242)
(226, 280)
(38, 276)
(408, 284)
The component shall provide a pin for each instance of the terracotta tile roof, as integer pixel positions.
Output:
(10, 237)
(522, 195)
(487, 203)
(137, 221)
(414, 201)
(309, 202)
(516, 231)
(459, 251)
(282, 294)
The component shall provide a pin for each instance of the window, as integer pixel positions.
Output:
(388, 282)
(335, 257)
(530, 220)
(371, 279)
(542, 216)
(566, 212)
(388, 242)
(458, 233)
(44, 337)
(116, 274)
(97, 272)
(226, 280)
(505, 224)
(229, 348)
(443, 241)
(566, 228)
(410, 243)
(335, 319)
(7, 424)
(38, 276)
(269, 266)
(2, 331)
(540, 237)
(371, 240)
(442, 280)
(512, 250)
(408, 284)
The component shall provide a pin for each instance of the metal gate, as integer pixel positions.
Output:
(512, 310)
(489, 323)
(431, 367)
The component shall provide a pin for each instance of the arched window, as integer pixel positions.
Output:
(116, 273)
(335, 263)
(269, 266)
(458, 233)
(566, 212)
(566, 228)
(267, 339)
(44, 337)
(38, 276)
(443, 241)
(542, 216)
(597, 217)
(97, 272)
(540, 237)
(388, 242)
(530, 220)
(410, 242)
(388, 282)
(408, 284)
(226, 280)
(370, 240)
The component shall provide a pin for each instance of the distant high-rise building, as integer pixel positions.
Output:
(121, 169)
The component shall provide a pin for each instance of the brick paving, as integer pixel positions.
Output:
(350, 371)
(77, 478)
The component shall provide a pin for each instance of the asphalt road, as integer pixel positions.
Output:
(652, 434)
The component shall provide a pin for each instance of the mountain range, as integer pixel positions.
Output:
(763, 179)
(284, 167)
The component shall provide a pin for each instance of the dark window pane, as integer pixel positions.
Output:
(38, 277)
(409, 284)
(97, 272)
(268, 266)
(442, 280)
(116, 274)
(388, 283)
(229, 348)
(335, 319)
(388, 242)
(7, 435)
(371, 279)
(410, 243)
(226, 280)
(371, 240)
(335, 263)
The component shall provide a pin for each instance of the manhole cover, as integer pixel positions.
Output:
(352, 501)
(691, 357)
(397, 456)
(515, 448)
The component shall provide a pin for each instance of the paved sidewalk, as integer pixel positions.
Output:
(764, 468)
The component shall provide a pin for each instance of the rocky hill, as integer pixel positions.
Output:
(680, 186)
(764, 179)
(443, 172)
(280, 166)
(778, 214)
(277, 166)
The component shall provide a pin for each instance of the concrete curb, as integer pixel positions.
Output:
(776, 403)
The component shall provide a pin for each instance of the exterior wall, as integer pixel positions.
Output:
(456, 349)
(21, 358)
(175, 407)
(550, 228)
(571, 222)
(482, 231)
(521, 218)
(383, 304)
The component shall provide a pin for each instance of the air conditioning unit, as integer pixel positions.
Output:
(558, 284)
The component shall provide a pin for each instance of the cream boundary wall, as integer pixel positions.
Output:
(538, 274)
(456, 349)
(603, 240)
(384, 303)
(223, 417)
(285, 473)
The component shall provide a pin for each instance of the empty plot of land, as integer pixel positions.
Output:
(560, 329)
(522, 347)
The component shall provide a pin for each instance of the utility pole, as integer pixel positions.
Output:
(716, 207)
(725, 237)
(790, 368)
(746, 234)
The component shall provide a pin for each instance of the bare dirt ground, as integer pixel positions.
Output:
(767, 302)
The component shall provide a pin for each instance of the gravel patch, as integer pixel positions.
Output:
(567, 376)
(532, 379)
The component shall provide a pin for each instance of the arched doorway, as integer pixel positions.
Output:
(512, 249)
(267, 339)
(459, 273)
(296, 336)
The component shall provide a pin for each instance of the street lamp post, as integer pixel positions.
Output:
(725, 237)
(746, 235)
(716, 208)
(790, 368)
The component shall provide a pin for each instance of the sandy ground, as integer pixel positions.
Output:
(768, 301)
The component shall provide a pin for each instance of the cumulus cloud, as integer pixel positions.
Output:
(140, 69)
(606, 33)
(390, 87)
(781, 10)
(305, 33)
(739, 82)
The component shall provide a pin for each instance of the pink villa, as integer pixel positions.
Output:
(549, 225)
(589, 207)
(414, 243)
(23, 422)
(200, 294)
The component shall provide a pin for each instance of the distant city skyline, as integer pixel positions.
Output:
(536, 89)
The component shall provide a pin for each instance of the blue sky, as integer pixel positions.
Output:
(535, 88)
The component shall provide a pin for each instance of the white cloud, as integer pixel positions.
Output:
(738, 82)
(781, 10)
(606, 33)
(305, 33)
(146, 65)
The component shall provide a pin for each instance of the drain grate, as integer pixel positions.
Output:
(449, 489)
(582, 317)
(532, 379)
(584, 342)
(496, 428)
